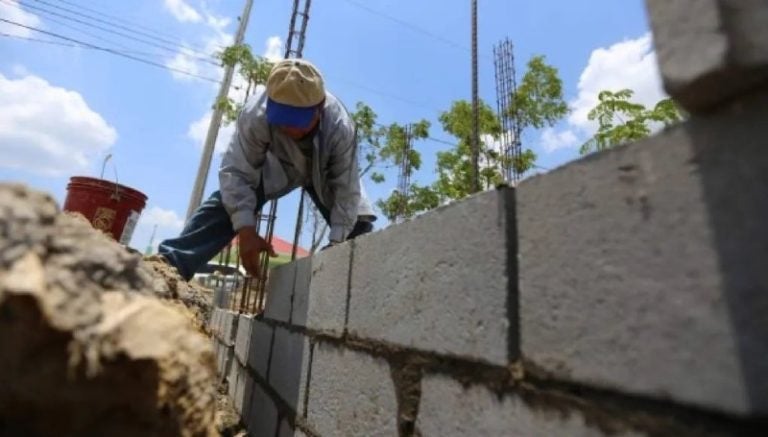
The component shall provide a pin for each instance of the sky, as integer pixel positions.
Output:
(64, 106)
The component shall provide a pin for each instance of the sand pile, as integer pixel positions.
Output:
(91, 342)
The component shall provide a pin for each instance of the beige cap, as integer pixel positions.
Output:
(297, 83)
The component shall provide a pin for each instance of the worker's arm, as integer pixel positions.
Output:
(240, 175)
(343, 179)
(240, 171)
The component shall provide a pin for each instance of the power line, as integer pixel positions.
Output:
(66, 25)
(110, 23)
(115, 18)
(404, 23)
(26, 38)
(381, 93)
(110, 50)
(411, 26)
(189, 52)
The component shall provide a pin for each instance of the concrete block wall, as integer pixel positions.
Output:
(623, 294)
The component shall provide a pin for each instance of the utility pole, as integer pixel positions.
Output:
(213, 128)
(475, 106)
(150, 247)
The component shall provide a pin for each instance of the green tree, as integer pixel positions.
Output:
(255, 69)
(620, 120)
(537, 103)
(454, 166)
(394, 150)
(381, 148)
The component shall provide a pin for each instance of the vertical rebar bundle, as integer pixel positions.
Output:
(506, 88)
(254, 292)
(475, 107)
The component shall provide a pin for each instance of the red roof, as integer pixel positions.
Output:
(283, 247)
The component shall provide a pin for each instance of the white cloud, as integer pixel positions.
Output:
(20, 70)
(627, 64)
(199, 129)
(274, 49)
(182, 11)
(184, 61)
(169, 224)
(49, 130)
(163, 218)
(196, 61)
(218, 23)
(12, 11)
(552, 140)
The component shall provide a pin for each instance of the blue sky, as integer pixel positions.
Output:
(63, 109)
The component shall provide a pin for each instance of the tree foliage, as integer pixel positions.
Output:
(620, 120)
(255, 70)
(538, 101)
(383, 147)
(454, 166)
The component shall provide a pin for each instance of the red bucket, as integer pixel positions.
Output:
(110, 207)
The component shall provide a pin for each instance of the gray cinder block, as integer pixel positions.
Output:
(350, 394)
(320, 303)
(710, 51)
(643, 268)
(448, 409)
(279, 291)
(443, 282)
(288, 371)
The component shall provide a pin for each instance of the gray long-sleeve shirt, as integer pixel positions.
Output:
(261, 153)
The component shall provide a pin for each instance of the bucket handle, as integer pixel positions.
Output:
(115, 196)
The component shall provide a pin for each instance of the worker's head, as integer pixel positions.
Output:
(295, 94)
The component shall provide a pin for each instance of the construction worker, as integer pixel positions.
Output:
(291, 134)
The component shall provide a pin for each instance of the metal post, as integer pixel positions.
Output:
(213, 128)
(475, 106)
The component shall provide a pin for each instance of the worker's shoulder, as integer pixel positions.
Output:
(256, 104)
(335, 114)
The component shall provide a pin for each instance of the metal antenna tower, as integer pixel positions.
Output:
(294, 48)
(506, 87)
(404, 176)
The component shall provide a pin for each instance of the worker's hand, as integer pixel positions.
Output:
(251, 246)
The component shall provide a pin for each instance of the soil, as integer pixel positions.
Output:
(93, 340)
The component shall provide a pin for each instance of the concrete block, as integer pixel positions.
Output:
(279, 291)
(262, 418)
(240, 388)
(224, 359)
(243, 338)
(710, 50)
(289, 365)
(643, 268)
(448, 409)
(228, 330)
(212, 322)
(350, 394)
(300, 305)
(322, 305)
(260, 347)
(234, 374)
(441, 282)
(243, 393)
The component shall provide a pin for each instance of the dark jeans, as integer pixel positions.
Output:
(209, 230)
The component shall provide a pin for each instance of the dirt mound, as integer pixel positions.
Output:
(87, 347)
(167, 283)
